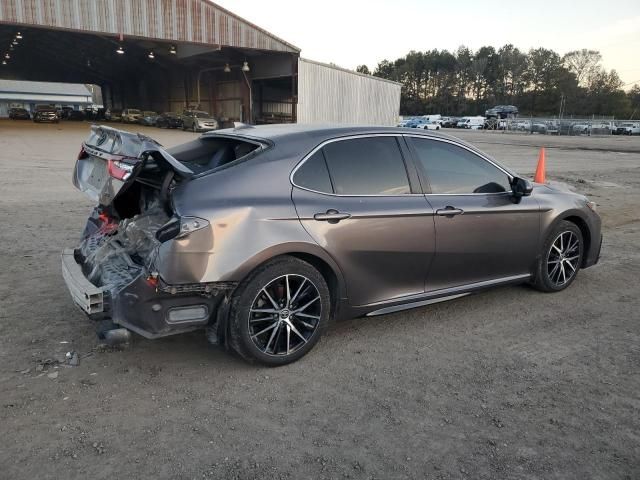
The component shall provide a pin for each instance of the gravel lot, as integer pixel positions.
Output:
(509, 383)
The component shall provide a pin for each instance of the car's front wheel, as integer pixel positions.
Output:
(560, 258)
(279, 312)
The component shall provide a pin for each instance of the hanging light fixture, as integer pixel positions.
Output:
(227, 68)
(245, 67)
(172, 50)
(120, 50)
(151, 55)
(4, 62)
(19, 36)
(7, 56)
(15, 42)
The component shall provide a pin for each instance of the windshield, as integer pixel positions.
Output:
(202, 115)
(133, 111)
(149, 113)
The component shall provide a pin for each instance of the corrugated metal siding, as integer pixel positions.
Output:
(197, 21)
(327, 94)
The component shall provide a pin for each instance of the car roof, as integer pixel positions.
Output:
(303, 137)
(319, 132)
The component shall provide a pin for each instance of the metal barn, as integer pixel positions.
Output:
(169, 55)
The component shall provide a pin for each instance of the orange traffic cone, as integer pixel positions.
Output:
(541, 174)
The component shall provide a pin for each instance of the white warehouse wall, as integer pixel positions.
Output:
(328, 94)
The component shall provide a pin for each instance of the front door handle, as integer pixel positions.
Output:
(331, 216)
(449, 211)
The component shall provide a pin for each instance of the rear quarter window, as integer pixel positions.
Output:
(313, 174)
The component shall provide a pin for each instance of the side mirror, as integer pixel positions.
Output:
(520, 188)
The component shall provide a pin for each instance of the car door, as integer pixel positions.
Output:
(355, 198)
(481, 234)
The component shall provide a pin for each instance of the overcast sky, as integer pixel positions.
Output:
(352, 32)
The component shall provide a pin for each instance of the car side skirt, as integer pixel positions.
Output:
(445, 294)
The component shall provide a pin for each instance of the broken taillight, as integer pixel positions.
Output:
(83, 154)
(119, 170)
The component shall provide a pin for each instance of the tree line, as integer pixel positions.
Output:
(539, 82)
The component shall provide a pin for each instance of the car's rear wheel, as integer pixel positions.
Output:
(560, 258)
(279, 312)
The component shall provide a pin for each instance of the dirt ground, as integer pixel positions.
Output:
(505, 384)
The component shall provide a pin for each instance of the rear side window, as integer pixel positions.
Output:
(313, 174)
(451, 169)
(367, 166)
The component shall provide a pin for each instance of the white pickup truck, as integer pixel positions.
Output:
(628, 128)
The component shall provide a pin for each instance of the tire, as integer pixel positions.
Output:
(259, 332)
(559, 261)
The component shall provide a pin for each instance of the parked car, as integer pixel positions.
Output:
(46, 114)
(169, 120)
(416, 122)
(473, 123)
(19, 114)
(429, 126)
(450, 122)
(148, 118)
(502, 111)
(522, 125)
(580, 129)
(113, 115)
(203, 235)
(198, 121)
(628, 128)
(403, 123)
(130, 115)
(75, 115)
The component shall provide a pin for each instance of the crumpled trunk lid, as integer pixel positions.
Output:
(131, 178)
(111, 159)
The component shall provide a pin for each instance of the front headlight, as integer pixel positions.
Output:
(591, 205)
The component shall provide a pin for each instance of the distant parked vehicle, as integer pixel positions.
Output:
(77, 115)
(437, 118)
(169, 120)
(522, 125)
(46, 115)
(403, 123)
(430, 126)
(19, 114)
(580, 129)
(473, 123)
(198, 121)
(628, 128)
(502, 111)
(148, 118)
(113, 115)
(130, 115)
(415, 122)
(450, 122)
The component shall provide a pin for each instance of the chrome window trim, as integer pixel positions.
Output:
(483, 157)
(352, 137)
(397, 135)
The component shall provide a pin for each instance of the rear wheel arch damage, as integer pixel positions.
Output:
(218, 330)
(238, 333)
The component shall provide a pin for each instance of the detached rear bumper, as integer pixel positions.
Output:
(88, 297)
(144, 308)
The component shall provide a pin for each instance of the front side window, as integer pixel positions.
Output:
(367, 166)
(451, 169)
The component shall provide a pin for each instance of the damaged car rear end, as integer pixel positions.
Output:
(122, 269)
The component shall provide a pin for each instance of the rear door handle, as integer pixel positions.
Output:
(331, 216)
(449, 211)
